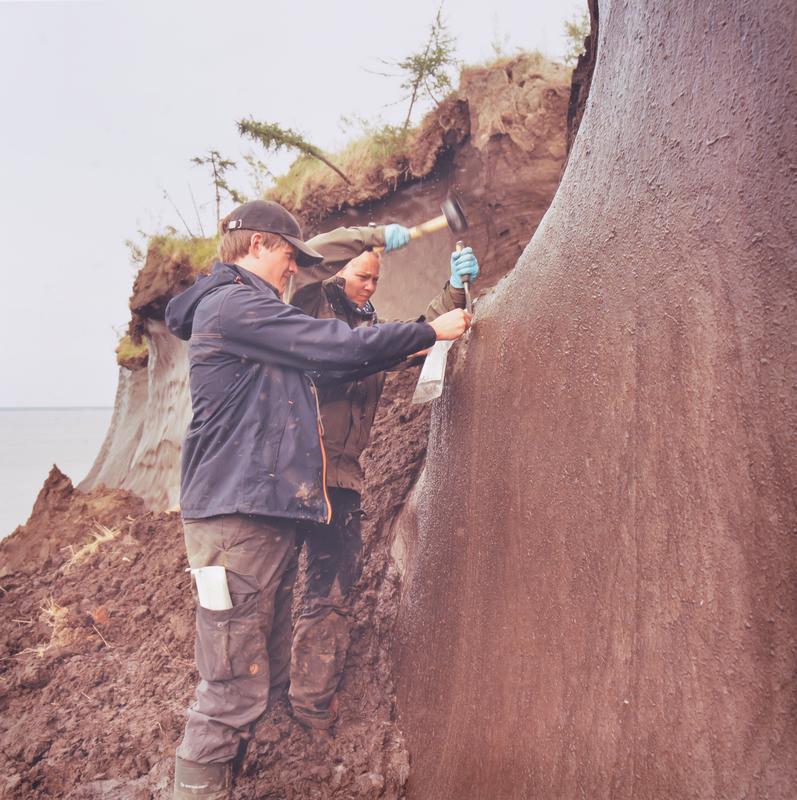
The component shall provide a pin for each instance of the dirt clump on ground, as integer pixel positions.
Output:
(96, 652)
(63, 521)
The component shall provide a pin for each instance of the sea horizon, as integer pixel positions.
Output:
(34, 438)
(4, 407)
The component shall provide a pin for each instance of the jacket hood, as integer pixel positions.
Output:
(182, 307)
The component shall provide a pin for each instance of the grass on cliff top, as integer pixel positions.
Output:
(361, 157)
(371, 153)
(200, 252)
(501, 60)
(128, 351)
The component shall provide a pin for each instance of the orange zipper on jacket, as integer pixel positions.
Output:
(323, 449)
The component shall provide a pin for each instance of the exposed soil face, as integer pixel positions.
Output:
(603, 600)
(506, 98)
(166, 272)
(502, 153)
(96, 665)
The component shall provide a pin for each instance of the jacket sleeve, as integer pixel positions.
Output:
(338, 247)
(334, 377)
(343, 244)
(449, 299)
(261, 328)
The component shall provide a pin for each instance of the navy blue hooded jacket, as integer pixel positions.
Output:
(254, 445)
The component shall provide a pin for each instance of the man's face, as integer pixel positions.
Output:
(277, 266)
(361, 275)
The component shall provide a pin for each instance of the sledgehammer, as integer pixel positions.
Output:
(453, 217)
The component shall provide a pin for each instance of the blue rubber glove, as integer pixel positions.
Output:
(396, 236)
(463, 263)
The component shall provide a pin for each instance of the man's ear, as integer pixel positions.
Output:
(254, 241)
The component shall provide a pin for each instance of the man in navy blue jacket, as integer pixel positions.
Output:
(253, 464)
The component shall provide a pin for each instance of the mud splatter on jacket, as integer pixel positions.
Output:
(253, 443)
(348, 408)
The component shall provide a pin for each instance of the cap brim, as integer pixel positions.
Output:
(306, 256)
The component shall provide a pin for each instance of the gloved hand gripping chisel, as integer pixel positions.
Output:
(465, 281)
(464, 267)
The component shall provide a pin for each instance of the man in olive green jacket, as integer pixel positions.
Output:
(341, 287)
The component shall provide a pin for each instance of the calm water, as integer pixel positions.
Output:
(31, 441)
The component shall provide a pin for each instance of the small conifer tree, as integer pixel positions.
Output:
(427, 71)
(576, 30)
(273, 137)
(218, 168)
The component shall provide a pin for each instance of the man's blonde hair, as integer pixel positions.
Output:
(235, 244)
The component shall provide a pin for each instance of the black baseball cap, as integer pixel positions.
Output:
(269, 217)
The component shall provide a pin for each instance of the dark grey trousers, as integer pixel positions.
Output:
(321, 636)
(244, 652)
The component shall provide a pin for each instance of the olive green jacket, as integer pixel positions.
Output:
(348, 409)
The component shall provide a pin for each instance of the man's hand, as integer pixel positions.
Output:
(452, 324)
(396, 236)
(463, 264)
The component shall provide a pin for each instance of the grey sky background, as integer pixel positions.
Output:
(103, 105)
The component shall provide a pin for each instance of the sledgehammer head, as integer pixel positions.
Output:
(452, 217)
(455, 216)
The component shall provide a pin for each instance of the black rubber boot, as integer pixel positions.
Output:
(205, 781)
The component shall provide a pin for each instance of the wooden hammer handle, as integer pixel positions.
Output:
(430, 226)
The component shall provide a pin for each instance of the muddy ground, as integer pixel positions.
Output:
(96, 648)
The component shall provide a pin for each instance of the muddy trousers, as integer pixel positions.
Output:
(321, 635)
(242, 653)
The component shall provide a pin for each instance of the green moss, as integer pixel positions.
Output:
(198, 251)
(531, 58)
(362, 157)
(130, 354)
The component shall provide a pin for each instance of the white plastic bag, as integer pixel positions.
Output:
(211, 586)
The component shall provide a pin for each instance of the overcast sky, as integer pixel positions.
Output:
(104, 104)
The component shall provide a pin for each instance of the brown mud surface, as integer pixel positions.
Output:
(603, 594)
(96, 659)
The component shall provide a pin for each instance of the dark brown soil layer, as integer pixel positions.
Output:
(97, 658)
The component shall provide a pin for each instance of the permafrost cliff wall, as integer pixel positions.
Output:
(600, 594)
(141, 451)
